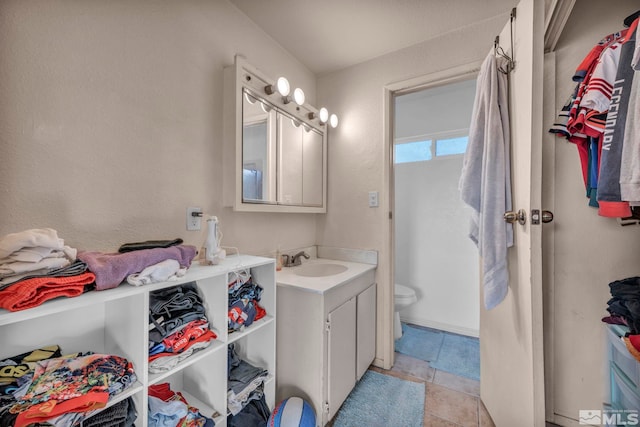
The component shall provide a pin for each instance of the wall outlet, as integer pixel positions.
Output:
(373, 199)
(194, 222)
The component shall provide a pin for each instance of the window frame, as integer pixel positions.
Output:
(434, 138)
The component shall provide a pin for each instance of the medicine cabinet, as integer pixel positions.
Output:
(275, 152)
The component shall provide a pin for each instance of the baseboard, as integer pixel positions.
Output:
(441, 326)
(560, 420)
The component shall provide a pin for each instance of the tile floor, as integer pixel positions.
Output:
(450, 400)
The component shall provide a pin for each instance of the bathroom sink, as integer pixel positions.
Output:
(320, 269)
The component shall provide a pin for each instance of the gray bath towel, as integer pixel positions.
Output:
(486, 173)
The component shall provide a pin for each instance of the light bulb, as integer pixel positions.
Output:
(283, 86)
(298, 96)
(324, 115)
(333, 121)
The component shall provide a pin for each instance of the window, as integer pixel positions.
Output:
(420, 149)
(450, 146)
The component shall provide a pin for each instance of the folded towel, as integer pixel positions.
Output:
(33, 292)
(45, 237)
(168, 269)
(149, 244)
(112, 269)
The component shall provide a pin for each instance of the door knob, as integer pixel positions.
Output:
(520, 217)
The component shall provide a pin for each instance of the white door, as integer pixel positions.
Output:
(511, 334)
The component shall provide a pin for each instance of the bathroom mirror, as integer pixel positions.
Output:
(258, 152)
(275, 156)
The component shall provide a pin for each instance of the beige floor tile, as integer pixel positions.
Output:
(413, 367)
(457, 383)
(433, 421)
(451, 405)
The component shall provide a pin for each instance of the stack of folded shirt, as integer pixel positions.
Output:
(244, 309)
(61, 390)
(168, 408)
(246, 383)
(36, 266)
(178, 326)
(624, 309)
(34, 251)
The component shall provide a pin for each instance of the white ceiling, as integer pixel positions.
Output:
(328, 35)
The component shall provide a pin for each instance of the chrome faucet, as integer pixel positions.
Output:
(294, 260)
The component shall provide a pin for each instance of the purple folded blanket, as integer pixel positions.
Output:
(112, 269)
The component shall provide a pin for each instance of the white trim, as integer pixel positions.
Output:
(555, 20)
(440, 78)
(432, 136)
(470, 332)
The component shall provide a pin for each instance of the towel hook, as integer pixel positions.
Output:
(499, 51)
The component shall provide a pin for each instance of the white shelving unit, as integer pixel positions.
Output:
(116, 321)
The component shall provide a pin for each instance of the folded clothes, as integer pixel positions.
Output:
(112, 269)
(149, 244)
(169, 269)
(33, 292)
(21, 267)
(39, 253)
(74, 269)
(43, 237)
(162, 364)
(72, 384)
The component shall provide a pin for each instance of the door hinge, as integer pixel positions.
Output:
(326, 407)
(390, 215)
(327, 325)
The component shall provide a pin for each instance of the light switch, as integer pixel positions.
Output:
(373, 199)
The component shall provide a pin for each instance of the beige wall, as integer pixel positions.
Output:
(111, 124)
(111, 120)
(357, 149)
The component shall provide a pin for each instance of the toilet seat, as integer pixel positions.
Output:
(404, 294)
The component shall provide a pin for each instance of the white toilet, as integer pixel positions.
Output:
(404, 297)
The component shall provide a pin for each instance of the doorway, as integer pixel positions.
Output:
(434, 256)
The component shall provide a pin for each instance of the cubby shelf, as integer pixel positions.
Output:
(116, 321)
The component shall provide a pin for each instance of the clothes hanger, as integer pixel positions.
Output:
(629, 19)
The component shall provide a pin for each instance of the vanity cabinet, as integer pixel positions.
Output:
(325, 340)
(116, 321)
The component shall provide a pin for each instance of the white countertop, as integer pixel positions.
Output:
(288, 277)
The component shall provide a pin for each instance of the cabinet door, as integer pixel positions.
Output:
(290, 164)
(312, 168)
(342, 354)
(366, 330)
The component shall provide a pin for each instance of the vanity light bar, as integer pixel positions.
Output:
(297, 98)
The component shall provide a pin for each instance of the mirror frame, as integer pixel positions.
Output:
(240, 77)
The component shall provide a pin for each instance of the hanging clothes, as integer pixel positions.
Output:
(601, 118)
(486, 173)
